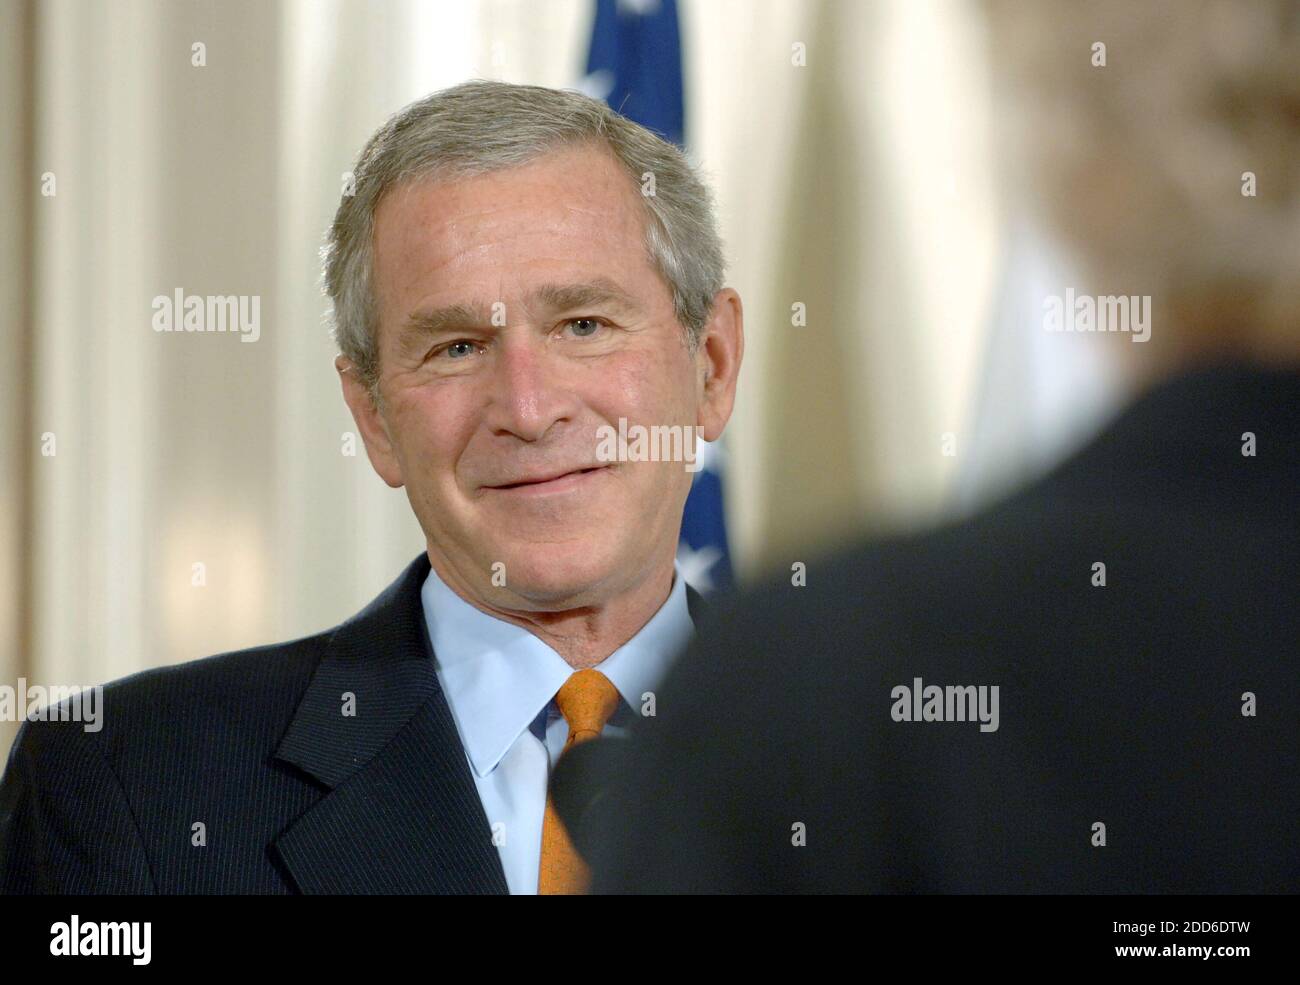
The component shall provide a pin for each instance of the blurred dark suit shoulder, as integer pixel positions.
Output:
(1120, 705)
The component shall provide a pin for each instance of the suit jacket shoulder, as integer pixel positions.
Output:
(265, 770)
(1121, 688)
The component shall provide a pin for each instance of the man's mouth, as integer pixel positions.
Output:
(550, 480)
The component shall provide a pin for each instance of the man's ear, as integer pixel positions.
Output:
(722, 346)
(374, 432)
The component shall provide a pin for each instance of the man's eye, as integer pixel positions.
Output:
(584, 328)
(457, 350)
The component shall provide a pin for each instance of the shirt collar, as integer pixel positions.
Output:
(498, 676)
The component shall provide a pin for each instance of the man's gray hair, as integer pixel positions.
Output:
(482, 126)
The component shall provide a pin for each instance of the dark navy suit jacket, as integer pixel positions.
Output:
(292, 794)
(1122, 705)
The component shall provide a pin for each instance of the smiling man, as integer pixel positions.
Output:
(519, 271)
(520, 312)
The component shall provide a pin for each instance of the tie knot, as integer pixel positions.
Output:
(586, 701)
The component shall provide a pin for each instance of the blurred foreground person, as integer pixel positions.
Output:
(1093, 686)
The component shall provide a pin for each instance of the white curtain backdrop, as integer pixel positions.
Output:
(198, 498)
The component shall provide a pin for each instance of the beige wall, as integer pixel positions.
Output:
(15, 232)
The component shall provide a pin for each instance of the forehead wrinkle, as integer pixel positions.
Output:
(596, 291)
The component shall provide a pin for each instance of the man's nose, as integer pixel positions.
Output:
(529, 391)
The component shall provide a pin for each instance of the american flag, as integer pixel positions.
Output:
(635, 65)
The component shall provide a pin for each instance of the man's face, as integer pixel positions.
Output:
(518, 313)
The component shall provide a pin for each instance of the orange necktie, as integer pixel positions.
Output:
(586, 700)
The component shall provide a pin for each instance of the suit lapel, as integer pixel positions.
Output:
(402, 814)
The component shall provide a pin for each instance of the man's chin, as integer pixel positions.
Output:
(551, 580)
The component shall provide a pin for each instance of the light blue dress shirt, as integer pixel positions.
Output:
(500, 681)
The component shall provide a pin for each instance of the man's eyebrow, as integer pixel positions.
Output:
(451, 318)
(555, 297)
